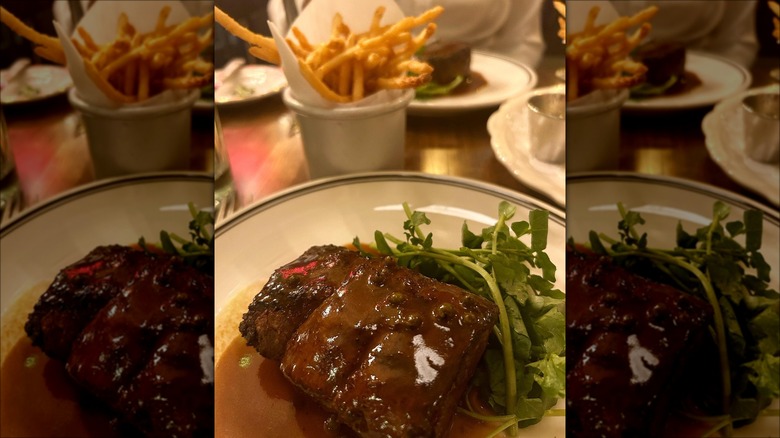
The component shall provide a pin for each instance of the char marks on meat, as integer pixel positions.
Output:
(291, 295)
(627, 343)
(135, 330)
(387, 350)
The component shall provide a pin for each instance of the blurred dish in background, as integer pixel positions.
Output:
(724, 136)
(35, 83)
(511, 142)
(504, 78)
(249, 83)
(720, 78)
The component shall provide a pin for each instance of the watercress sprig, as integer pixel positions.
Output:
(523, 368)
(198, 251)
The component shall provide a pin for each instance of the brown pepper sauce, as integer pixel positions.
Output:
(38, 399)
(472, 83)
(689, 81)
(253, 398)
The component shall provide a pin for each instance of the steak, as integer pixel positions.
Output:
(449, 60)
(628, 340)
(291, 295)
(663, 59)
(135, 330)
(388, 350)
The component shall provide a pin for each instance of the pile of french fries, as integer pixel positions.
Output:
(775, 8)
(350, 66)
(135, 66)
(598, 56)
(560, 6)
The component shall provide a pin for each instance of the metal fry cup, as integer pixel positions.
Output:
(761, 126)
(547, 127)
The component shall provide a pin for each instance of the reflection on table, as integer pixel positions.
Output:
(51, 153)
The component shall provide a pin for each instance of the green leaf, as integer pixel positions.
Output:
(469, 239)
(521, 228)
(538, 221)
(754, 223)
(432, 89)
(381, 243)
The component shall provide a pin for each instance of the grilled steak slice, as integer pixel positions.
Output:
(663, 59)
(449, 60)
(627, 342)
(77, 294)
(392, 351)
(143, 345)
(291, 294)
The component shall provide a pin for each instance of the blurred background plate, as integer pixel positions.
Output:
(505, 78)
(250, 83)
(720, 79)
(36, 83)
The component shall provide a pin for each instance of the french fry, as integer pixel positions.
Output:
(319, 85)
(135, 66)
(143, 80)
(350, 66)
(265, 45)
(104, 85)
(48, 46)
(560, 6)
(598, 56)
(51, 53)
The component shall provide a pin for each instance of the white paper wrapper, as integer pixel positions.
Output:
(315, 21)
(101, 22)
(595, 97)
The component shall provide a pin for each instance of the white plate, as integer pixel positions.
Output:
(259, 239)
(723, 135)
(250, 83)
(35, 83)
(511, 143)
(720, 79)
(664, 201)
(505, 78)
(46, 238)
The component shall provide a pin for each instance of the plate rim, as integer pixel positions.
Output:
(418, 108)
(519, 198)
(98, 186)
(633, 106)
(679, 183)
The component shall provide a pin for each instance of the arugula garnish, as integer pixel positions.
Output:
(734, 278)
(524, 365)
(199, 250)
